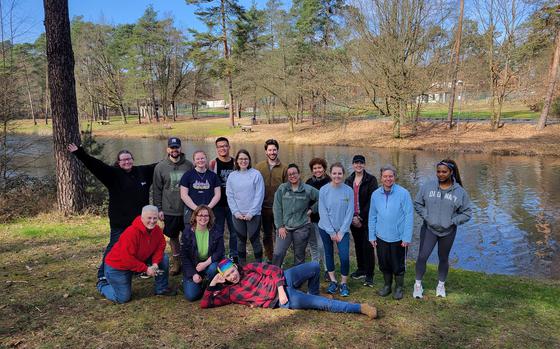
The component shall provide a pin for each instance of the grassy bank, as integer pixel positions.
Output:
(48, 273)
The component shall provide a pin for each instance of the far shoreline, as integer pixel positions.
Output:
(468, 137)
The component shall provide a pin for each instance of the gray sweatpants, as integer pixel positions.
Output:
(299, 236)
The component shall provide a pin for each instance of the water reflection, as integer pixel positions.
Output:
(516, 199)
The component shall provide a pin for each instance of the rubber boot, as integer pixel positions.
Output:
(399, 289)
(386, 290)
(175, 266)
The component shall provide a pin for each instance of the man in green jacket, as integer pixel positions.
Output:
(167, 197)
(274, 174)
(294, 202)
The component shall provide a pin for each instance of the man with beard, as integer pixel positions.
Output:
(167, 196)
(274, 174)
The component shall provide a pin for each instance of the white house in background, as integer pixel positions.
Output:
(220, 103)
(439, 93)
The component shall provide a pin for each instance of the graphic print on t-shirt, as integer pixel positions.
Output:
(175, 179)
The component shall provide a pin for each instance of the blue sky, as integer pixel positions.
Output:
(30, 13)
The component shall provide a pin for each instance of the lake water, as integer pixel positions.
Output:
(515, 225)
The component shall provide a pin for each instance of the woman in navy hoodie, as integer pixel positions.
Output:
(443, 204)
(202, 247)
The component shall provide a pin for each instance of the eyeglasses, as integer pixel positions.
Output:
(203, 215)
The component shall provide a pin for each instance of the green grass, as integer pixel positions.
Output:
(478, 111)
(48, 275)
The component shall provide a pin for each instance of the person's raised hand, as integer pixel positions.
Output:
(72, 147)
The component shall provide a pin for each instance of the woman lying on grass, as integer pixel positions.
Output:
(268, 286)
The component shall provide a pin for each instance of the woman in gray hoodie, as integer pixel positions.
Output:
(443, 204)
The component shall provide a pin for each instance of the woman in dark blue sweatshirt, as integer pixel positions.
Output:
(443, 204)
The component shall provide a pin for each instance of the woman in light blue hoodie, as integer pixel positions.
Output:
(336, 209)
(390, 229)
(443, 204)
(245, 194)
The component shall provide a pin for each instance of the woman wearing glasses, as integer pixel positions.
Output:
(202, 247)
(245, 194)
(129, 191)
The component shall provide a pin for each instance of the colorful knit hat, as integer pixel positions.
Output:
(224, 265)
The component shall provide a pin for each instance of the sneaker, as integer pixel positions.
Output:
(333, 287)
(418, 291)
(167, 292)
(440, 291)
(358, 275)
(368, 281)
(344, 291)
(368, 310)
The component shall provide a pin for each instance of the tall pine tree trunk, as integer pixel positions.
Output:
(552, 76)
(66, 130)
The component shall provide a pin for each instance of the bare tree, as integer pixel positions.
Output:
(552, 77)
(70, 174)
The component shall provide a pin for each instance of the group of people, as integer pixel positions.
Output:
(195, 200)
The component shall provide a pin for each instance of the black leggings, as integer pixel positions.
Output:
(428, 241)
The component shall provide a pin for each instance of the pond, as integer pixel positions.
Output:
(515, 226)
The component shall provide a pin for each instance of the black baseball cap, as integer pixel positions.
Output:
(174, 142)
(359, 158)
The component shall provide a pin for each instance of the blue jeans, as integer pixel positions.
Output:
(192, 290)
(310, 272)
(118, 286)
(343, 252)
(223, 215)
(114, 236)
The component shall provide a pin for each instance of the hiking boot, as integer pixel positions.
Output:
(386, 290)
(440, 290)
(399, 285)
(344, 291)
(169, 292)
(333, 287)
(175, 266)
(368, 281)
(368, 310)
(418, 292)
(358, 275)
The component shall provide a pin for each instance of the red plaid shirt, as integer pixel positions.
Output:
(257, 286)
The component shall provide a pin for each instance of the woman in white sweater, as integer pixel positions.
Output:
(245, 194)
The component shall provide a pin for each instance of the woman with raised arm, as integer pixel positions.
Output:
(129, 191)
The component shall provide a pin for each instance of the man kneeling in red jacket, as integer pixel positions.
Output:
(140, 249)
(268, 286)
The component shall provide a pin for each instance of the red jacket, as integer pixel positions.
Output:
(257, 286)
(135, 246)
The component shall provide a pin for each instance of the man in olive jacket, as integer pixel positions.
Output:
(274, 174)
(167, 197)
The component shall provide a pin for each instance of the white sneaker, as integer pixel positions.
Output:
(418, 291)
(440, 291)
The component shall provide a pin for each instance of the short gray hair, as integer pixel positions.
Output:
(149, 208)
(388, 167)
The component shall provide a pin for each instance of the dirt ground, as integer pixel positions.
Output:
(511, 139)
